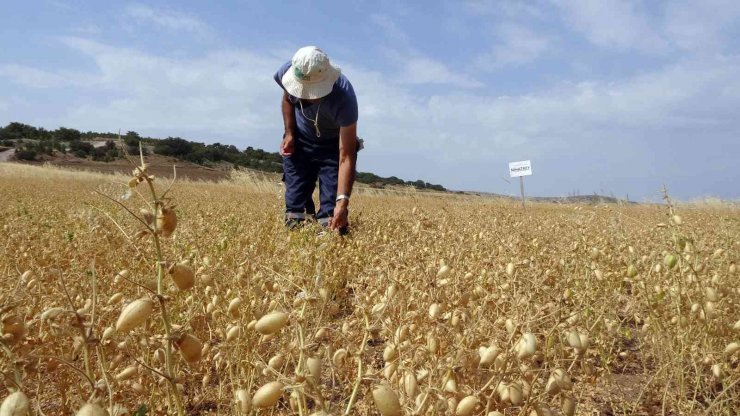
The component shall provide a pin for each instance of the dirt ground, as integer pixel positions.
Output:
(5, 154)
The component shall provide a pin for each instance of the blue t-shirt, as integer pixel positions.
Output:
(338, 109)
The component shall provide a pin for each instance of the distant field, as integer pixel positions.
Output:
(435, 304)
(160, 166)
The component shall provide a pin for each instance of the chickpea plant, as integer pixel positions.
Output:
(457, 305)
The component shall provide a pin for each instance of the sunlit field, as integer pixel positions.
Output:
(121, 295)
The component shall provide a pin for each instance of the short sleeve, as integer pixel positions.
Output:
(347, 112)
(279, 74)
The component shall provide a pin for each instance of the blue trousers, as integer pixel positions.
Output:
(300, 172)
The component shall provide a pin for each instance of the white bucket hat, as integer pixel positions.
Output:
(310, 75)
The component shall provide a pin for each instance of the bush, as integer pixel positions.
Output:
(26, 154)
(81, 149)
(173, 146)
(67, 135)
(134, 150)
(107, 153)
(59, 146)
(16, 131)
(132, 139)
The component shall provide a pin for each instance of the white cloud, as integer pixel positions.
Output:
(622, 25)
(231, 94)
(572, 118)
(391, 30)
(509, 8)
(698, 26)
(62, 5)
(515, 45)
(415, 68)
(418, 70)
(228, 95)
(167, 19)
(88, 30)
(37, 78)
(627, 25)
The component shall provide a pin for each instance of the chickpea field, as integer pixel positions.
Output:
(129, 295)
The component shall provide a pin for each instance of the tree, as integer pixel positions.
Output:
(80, 148)
(173, 146)
(132, 138)
(67, 135)
(107, 153)
(19, 131)
(26, 154)
(32, 150)
(43, 134)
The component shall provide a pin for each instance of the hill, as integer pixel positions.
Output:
(105, 152)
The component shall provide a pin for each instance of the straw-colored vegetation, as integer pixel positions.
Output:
(194, 299)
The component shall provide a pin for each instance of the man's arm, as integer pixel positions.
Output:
(286, 147)
(347, 165)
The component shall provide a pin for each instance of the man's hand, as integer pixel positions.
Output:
(339, 220)
(287, 145)
(346, 174)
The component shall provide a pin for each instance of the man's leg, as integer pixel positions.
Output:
(310, 205)
(300, 180)
(328, 179)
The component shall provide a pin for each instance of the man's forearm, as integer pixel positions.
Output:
(347, 159)
(288, 115)
(346, 174)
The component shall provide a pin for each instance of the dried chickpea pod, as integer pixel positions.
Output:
(115, 298)
(386, 401)
(516, 396)
(435, 311)
(134, 314)
(268, 395)
(314, 368)
(243, 400)
(732, 348)
(14, 328)
(91, 409)
(233, 333)
(147, 216)
(190, 348)
(166, 221)
(271, 323)
(127, 373)
(527, 346)
(234, 307)
(16, 404)
(466, 406)
(568, 405)
(339, 357)
(182, 275)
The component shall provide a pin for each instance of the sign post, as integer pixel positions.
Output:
(520, 169)
(521, 189)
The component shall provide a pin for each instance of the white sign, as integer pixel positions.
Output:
(523, 168)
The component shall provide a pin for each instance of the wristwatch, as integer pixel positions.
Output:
(342, 196)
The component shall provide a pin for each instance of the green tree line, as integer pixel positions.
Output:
(32, 143)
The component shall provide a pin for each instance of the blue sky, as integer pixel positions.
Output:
(614, 97)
